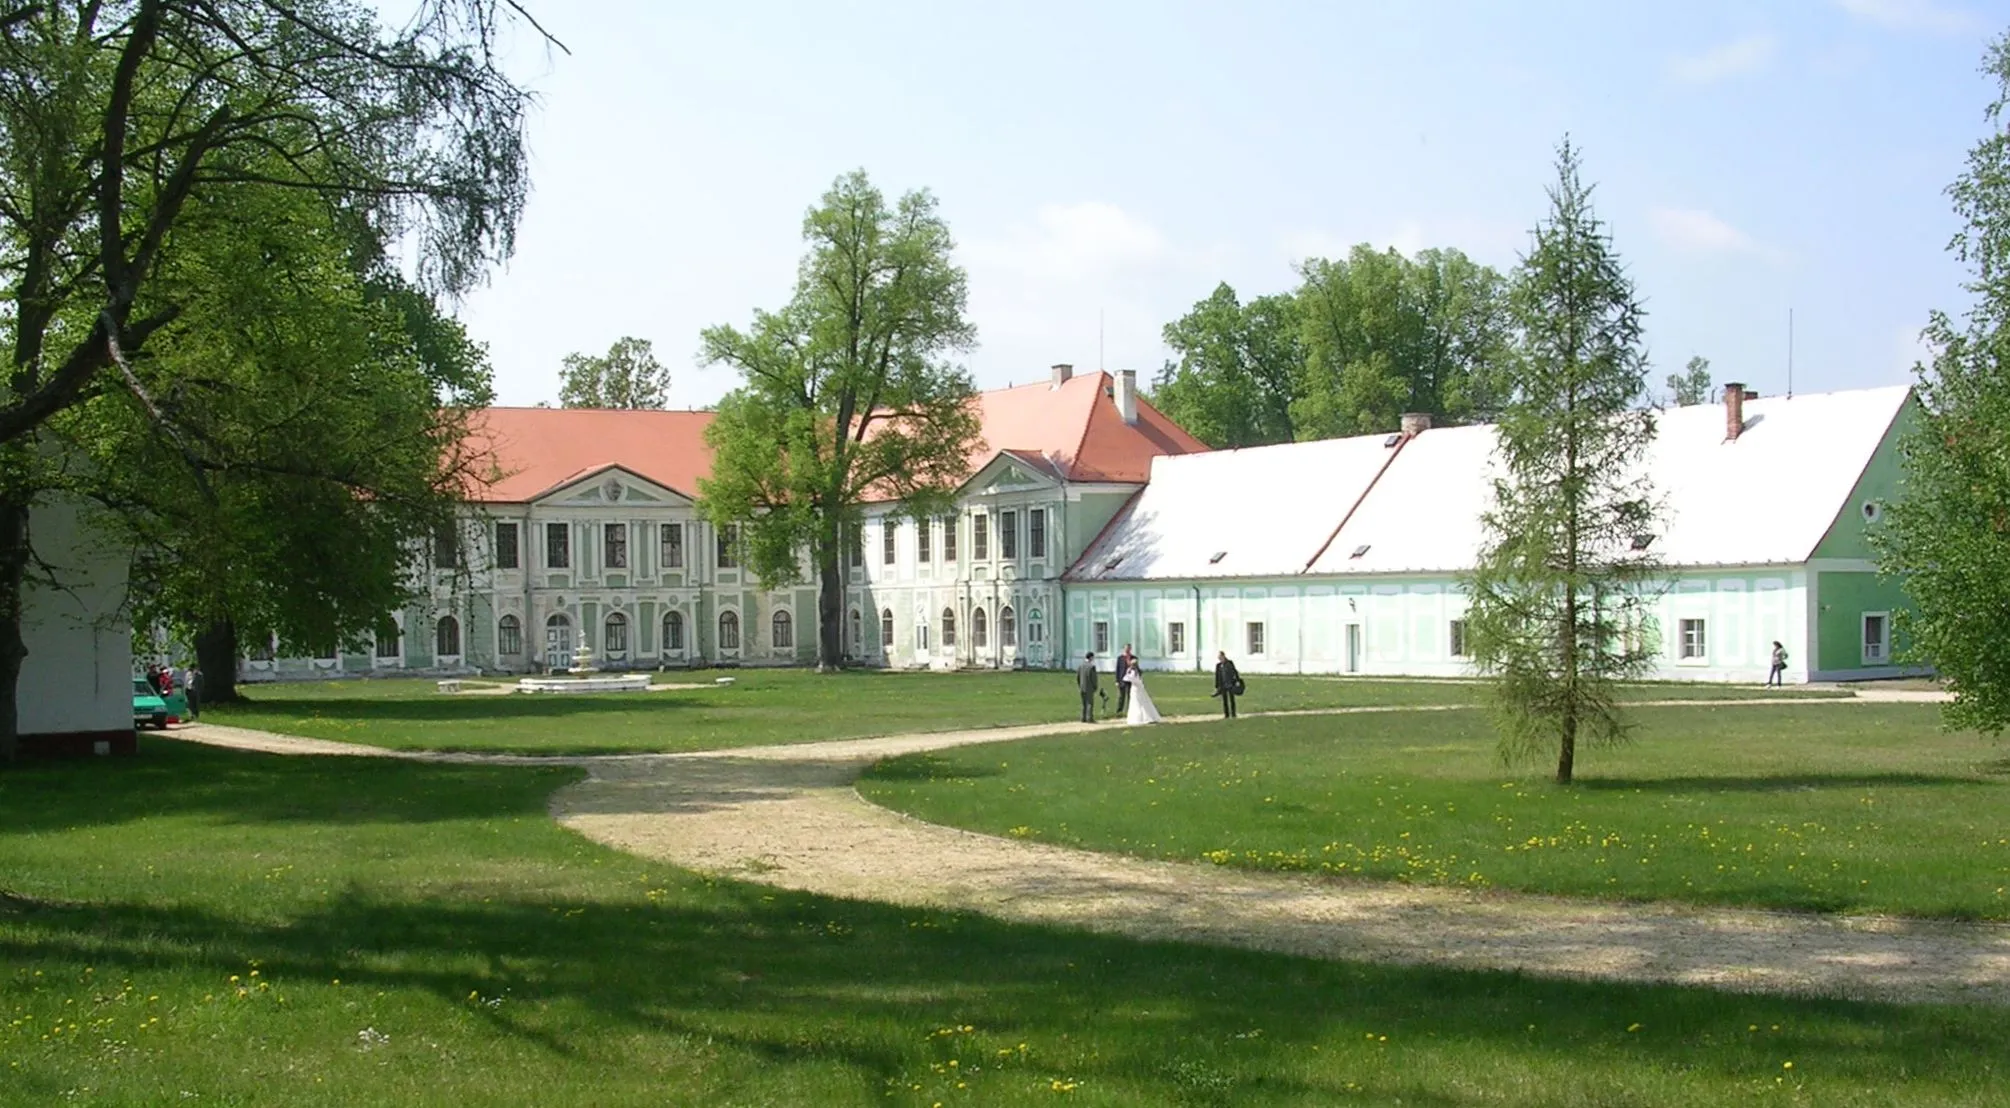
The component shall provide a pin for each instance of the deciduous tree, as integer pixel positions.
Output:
(1559, 593)
(1692, 385)
(847, 393)
(627, 376)
(1232, 384)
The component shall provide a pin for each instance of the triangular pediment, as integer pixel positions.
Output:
(1011, 472)
(609, 486)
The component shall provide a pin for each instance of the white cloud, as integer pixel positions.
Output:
(1912, 15)
(1743, 55)
(1071, 242)
(1695, 231)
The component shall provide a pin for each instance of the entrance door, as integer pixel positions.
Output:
(1353, 648)
(558, 643)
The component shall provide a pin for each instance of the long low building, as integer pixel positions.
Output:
(1345, 556)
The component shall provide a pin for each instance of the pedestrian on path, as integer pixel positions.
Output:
(1227, 683)
(192, 688)
(1085, 679)
(1776, 677)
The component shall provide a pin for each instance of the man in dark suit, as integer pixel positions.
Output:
(1085, 677)
(1125, 663)
(1227, 682)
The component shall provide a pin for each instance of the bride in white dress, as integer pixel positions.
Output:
(1142, 709)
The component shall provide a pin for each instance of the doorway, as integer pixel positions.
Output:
(1353, 648)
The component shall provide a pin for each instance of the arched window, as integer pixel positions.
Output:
(857, 629)
(558, 642)
(948, 628)
(1008, 627)
(509, 635)
(978, 629)
(388, 644)
(886, 629)
(782, 632)
(729, 630)
(616, 636)
(447, 638)
(673, 631)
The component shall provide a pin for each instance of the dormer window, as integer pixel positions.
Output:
(1642, 542)
(1113, 563)
(1392, 440)
(1359, 551)
(1218, 556)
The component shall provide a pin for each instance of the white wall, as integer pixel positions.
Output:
(79, 672)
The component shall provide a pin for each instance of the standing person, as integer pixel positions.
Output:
(1777, 676)
(192, 689)
(1125, 664)
(1227, 683)
(1141, 710)
(1085, 679)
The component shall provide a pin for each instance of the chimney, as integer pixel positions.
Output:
(1415, 423)
(1062, 372)
(1127, 395)
(1734, 410)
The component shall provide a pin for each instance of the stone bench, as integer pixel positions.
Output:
(451, 685)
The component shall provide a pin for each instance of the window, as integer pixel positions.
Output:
(782, 631)
(921, 633)
(673, 546)
(979, 633)
(980, 536)
(857, 628)
(673, 631)
(614, 552)
(1695, 641)
(1101, 638)
(729, 546)
(924, 531)
(387, 640)
(615, 634)
(1175, 638)
(949, 539)
(1459, 648)
(557, 642)
(1876, 638)
(729, 631)
(446, 548)
(886, 627)
(506, 553)
(1036, 534)
(447, 638)
(855, 546)
(509, 636)
(889, 534)
(1008, 535)
(948, 628)
(1253, 638)
(1008, 627)
(557, 545)
(1036, 632)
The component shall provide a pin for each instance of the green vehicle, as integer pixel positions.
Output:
(148, 707)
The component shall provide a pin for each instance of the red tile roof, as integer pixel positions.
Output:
(1074, 429)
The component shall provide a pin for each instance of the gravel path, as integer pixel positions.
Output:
(788, 816)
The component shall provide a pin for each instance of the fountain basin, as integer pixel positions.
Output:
(605, 682)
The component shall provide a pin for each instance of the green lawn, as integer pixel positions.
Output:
(775, 706)
(199, 926)
(1840, 807)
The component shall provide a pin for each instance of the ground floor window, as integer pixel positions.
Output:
(616, 634)
(1459, 647)
(1695, 640)
(1036, 632)
(857, 627)
(1253, 638)
(782, 631)
(948, 629)
(673, 631)
(979, 632)
(387, 641)
(729, 630)
(886, 628)
(509, 635)
(1101, 638)
(447, 638)
(921, 634)
(1876, 638)
(1008, 627)
(1175, 638)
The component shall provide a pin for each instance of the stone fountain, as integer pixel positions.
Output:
(585, 677)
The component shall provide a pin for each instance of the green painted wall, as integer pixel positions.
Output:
(1879, 484)
(1085, 520)
(1841, 600)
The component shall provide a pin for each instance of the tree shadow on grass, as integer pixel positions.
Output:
(1775, 783)
(928, 766)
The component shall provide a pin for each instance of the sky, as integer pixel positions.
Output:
(1103, 166)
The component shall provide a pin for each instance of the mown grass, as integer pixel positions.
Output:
(774, 706)
(204, 926)
(1841, 808)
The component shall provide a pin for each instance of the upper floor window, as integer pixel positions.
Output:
(889, 533)
(446, 547)
(729, 546)
(1036, 534)
(855, 546)
(1008, 535)
(923, 533)
(673, 546)
(980, 536)
(615, 550)
(557, 545)
(949, 539)
(506, 552)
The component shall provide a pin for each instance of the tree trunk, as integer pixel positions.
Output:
(830, 598)
(216, 656)
(13, 648)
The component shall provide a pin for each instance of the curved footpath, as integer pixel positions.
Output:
(788, 816)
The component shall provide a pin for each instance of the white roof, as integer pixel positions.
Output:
(1266, 510)
(1767, 498)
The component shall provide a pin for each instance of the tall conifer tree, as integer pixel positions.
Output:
(1557, 597)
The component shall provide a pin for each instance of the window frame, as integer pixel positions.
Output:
(782, 630)
(673, 631)
(1255, 637)
(729, 620)
(1008, 627)
(440, 627)
(949, 551)
(1036, 534)
(558, 546)
(728, 541)
(614, 546)
(509, 631)
(1701, 654)
(447, 547)
(1099, 636)
(397, 633)
(980, 536)
(1863, 639)
(924, 545)
(613, 645)
(1456, 643)
(1175, 638)
(980, 629)
(1008, 535)
(671, 535)
(889, 542)
(513, 547)
(886, 628)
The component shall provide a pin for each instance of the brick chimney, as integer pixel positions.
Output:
(1127, 395)
(1062, 372)
(1734, 410)
(1416, 423)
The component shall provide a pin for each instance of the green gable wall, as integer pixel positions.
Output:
(1848, 534)
(1841, 599)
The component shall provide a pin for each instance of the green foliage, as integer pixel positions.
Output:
(847, 392)
(1692, 385)
(628, 376)
(1232, 385)
(1559, 592)
(1949, 537)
